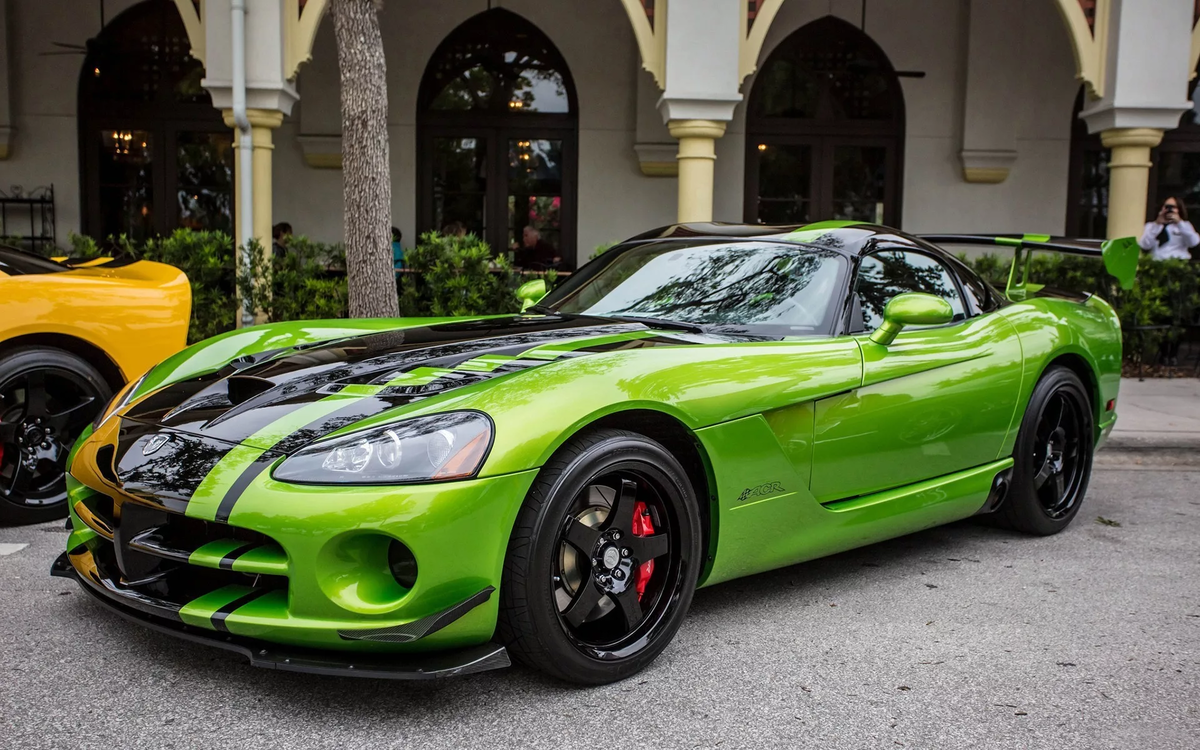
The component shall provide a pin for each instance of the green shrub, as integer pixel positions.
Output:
(207, 259)
(306, 282)
(452, 276)
(1164, 292)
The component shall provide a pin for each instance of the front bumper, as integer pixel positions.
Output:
(452, 663)
(298, 566)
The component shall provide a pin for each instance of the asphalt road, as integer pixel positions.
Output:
(958, 637)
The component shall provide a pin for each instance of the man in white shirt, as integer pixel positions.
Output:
(1170, 235)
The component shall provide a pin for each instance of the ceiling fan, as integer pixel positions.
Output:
(68, 48)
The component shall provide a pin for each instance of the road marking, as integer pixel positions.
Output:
(7, 548)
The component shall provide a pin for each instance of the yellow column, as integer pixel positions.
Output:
(262, 122)
(697, 157)
(1128, 178)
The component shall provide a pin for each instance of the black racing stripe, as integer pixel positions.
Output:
(218, 618)
(227, 561)
(248, 475)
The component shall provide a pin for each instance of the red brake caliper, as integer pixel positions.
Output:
(643, 526)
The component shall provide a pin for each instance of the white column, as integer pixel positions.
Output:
(701, 71)
(1146, 74)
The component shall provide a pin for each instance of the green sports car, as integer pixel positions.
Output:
(426, 497)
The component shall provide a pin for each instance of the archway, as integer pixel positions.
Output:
(825, 130)
(497, 136)
(154, 153)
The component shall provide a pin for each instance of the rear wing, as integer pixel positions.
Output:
(1120, 256)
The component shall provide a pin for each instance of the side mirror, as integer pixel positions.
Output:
(911, 309)
(530, 292)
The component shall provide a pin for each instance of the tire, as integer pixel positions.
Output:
(1053, 456)
(602, 616)
(47, 398)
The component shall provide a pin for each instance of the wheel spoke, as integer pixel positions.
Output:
(8, 432)
(585, 601)
(581, 536)
(67, 420)
(35, 394)
(631, 608)
(15, 480)
(1058, 490)
(621, 515)
(646, 548)
(1043, 474)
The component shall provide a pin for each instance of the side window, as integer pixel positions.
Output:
(885, 274)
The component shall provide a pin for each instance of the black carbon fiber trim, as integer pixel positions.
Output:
(419, 628)
(481, 658)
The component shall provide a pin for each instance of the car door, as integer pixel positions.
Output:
(939, 399)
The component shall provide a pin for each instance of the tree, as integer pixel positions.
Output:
(366, 176)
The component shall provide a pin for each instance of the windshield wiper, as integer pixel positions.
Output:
(541, 310)
(678, 325)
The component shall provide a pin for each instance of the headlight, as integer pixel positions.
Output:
(431, 448)
(119, 401)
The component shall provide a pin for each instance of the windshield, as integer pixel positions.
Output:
(763, 287)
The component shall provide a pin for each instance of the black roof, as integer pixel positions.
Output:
(848, 238)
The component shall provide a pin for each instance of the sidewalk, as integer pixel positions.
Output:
(1157, 413)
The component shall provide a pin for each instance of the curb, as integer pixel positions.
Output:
(1152, 441)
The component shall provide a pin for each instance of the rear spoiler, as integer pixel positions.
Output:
(1120, 255)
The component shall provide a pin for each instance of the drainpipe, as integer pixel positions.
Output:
(245, 143)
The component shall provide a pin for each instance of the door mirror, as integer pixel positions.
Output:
(911, 309)
(530, 292)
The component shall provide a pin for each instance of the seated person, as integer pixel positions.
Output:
(534, 252)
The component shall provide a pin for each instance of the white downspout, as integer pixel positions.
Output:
(245, 143)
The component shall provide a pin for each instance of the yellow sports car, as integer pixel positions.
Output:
(71, 335)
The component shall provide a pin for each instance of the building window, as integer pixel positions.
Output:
(497, 139)
(825, 130)
(154, 153)
(1175, 172)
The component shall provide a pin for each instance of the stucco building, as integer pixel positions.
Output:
(597, 119)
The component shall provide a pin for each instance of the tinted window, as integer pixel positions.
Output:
(885, 274)
(768, 287)
(16, 263)
(981, 296)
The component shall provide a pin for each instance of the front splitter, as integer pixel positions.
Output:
(481, 658)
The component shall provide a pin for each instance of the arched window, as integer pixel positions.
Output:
(1175, 171)
(154, 153)
(497, 134)
(825, 130)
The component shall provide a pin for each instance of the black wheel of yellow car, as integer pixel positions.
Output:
(47, 398)
(1053, 456)
(603, 559)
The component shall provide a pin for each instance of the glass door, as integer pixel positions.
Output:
(534, 200)
(461, 173)
(791, 180)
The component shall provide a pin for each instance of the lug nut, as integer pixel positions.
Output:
(45, 443)
(616, 534)
(618, 574)
(625, 552)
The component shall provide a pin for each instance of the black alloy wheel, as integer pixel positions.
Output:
(1053, 456)
(47, 398)
(603, 559)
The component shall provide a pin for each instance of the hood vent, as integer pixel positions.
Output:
(242, 388)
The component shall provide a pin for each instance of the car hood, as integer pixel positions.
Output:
(283, 399)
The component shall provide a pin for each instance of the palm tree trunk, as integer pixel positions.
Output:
(366, 177)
